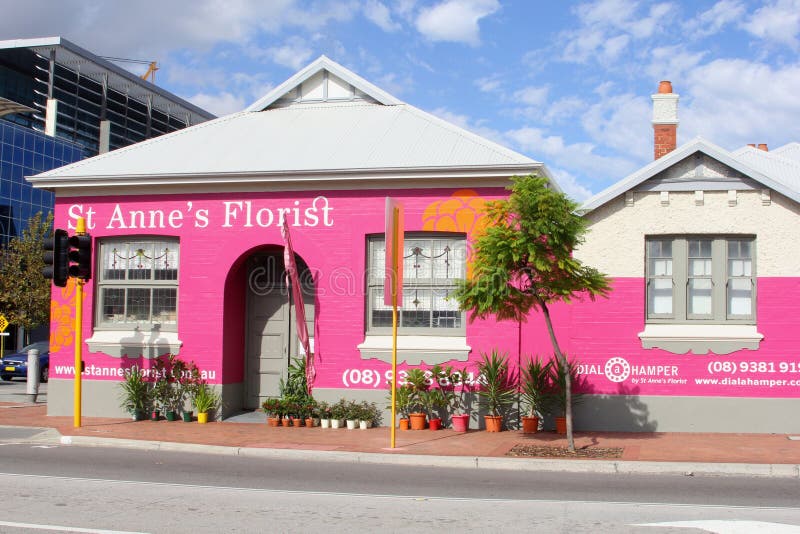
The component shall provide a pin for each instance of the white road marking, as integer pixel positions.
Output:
(731, 527)
(60, 528)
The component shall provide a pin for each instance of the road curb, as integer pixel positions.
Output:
(456, 462)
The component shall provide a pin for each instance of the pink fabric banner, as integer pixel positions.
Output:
(299, 307)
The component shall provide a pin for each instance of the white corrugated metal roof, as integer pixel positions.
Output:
(302, 138)
(779, 164)
(782, 176)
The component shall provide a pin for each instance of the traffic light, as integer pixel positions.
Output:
(55, 257)
(80, 256)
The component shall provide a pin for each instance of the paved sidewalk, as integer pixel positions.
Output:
(678, 453)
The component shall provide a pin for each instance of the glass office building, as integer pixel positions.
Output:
(24, 152)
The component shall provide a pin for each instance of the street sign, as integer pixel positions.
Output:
(3, 323)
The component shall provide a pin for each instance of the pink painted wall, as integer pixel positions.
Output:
(217, 232)
(215, 240)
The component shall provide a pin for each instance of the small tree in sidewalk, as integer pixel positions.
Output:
(523, 261)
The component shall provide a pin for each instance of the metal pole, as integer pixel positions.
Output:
(80, 229)
(395, 281)
(32, 385)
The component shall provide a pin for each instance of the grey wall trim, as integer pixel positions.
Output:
(602, 413)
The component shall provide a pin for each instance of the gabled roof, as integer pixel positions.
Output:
(779, 182)
(319, 65)
(361, 139)
(779, 164)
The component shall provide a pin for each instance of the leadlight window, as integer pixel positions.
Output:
(693, 279)
(432, 267)
(138, 283)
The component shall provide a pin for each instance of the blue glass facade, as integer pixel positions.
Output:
(25, 152)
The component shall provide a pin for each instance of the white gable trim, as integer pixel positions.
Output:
(324, 63)
(696, 145)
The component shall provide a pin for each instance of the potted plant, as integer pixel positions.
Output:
(403, 399)
(188, 379)
(324, 410)
(458, 396)
(308, 411)
(496, 391)
(271, 406)
(434, 399)
(370, 415)
(338, 413)
(205, 400)
(352, 415)
(534, 388)
(558, 391)
(135, 395)
(418, 383)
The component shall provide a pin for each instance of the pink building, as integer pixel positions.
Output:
(189, 255)
(696, 336)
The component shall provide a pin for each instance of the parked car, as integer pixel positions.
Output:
(17, 364)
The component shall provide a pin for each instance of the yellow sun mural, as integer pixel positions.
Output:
(463, 211)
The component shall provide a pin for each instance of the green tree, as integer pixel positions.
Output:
(24, 292)
(523, 262)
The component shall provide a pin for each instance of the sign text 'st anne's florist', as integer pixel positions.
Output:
(232, 213)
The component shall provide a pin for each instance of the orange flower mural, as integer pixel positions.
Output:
(62, 317)
(462, 212)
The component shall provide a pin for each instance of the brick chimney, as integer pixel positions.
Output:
(665, 120)
(763, 146)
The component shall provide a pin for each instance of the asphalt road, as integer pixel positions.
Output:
(69, 487)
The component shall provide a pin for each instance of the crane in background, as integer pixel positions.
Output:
(152, 66)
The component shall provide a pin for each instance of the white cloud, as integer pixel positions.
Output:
(532, 96)
(569, 184)
(673, 62)
(294, 53)
(455, 20)
(609, 27)
(579, 158)
(219, 104)
(712, 21)
(733, 102)
(380, 15)
(489, 84)
(778, 22)
(621, 122)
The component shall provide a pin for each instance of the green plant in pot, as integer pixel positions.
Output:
(403, 400)
(558, 390)
(135, 396)
(419, 383)
(205, 400)
(497, 388)
(534, 388)
(459, 395)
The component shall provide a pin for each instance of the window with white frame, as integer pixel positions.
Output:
(701, 279)
(432, 266)
(138, 283)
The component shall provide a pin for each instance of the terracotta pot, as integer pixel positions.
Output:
(561, 425)
(403, 424)
(297, 422)
(530, 425)
(309, 422)
(417, 421)
(286, 421)
(460, 422)
(273, 421)
(494, 423)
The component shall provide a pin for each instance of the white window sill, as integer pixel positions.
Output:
(700, 338)
(134, 343)
(414, 350)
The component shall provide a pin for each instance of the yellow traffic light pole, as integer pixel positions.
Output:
(80, 229)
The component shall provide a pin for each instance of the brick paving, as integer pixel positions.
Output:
(650, 447)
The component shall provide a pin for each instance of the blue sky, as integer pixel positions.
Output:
(566, 83)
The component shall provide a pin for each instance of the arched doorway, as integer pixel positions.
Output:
(271, 329)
